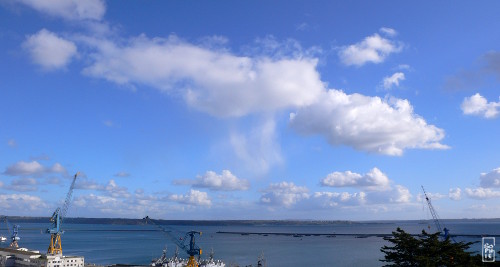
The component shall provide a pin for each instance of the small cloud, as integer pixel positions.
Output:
(302, 26)
(490, 179)
(388, 31)
(374, 49)
(393, 80)
(12, 143)
(455, 194)
(482, 193)
(122, 174)
(49, 50)
(404, 67)
(374, 180)
(194, 198)
(33, 168)
(225, 181)
(478, 105)
(284, 194)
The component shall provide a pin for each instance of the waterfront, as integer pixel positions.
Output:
(138, 244)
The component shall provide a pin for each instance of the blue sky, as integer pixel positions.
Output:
(250, 110)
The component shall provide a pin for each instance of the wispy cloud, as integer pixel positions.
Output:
(122, 174)
(69, 9)
(393, 80)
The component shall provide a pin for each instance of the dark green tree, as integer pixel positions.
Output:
(427, 250)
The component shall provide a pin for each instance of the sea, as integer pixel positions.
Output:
(107, 244)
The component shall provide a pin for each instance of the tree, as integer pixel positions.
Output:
(427, 250)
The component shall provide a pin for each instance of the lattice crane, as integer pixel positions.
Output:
(435, 217)
(57, 218)
(14, 231)
(192, 249)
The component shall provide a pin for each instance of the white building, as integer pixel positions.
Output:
(21, 257)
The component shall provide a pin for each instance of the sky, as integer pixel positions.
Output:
(309, 110)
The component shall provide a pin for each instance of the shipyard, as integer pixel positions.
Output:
(249, 133)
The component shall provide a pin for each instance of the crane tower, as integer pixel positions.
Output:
(57, 218)
(192, 250)
(435, 217)
(14, 230)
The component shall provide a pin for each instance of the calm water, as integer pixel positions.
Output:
(134, 244)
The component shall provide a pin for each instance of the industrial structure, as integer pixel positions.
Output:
(15, 256)
(192, 249)
(13, 231)
(444, 231)
(57, 218)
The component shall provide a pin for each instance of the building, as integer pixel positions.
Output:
(22, 257)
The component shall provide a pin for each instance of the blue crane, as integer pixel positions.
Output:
(443, 231)
(57, 219)
(14, 231)
(192, 249)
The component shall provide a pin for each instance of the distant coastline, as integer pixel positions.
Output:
(127, 221)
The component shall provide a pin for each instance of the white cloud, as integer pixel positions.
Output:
(33, 168)
(69, 9)
(455, 193)
(49, 50)
(373, 180)
(482, 193)
(284, 194)
(388, 31)
(226, 181)
(116, 191)
(334, 199)
(367, 123)
(372, 49)
(257, 149)
(397, 195)
(21, 204)
(213, 81)
(479, 106)
(194, 198)
(402, 195)
(393, 80)
(490, 179)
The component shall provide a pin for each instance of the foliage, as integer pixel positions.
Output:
(427, 250)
